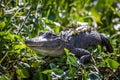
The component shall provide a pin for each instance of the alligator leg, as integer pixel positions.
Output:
(106, 42)
(84, 55)
(85, 59)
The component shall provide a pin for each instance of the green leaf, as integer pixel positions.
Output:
(2, 25)
(47, 71)
(57, 29)
(112, 63)
(66, 51)
(94, 76)
(1, 11)
(22, 73)
(3, 77)
(19, 46)
(58, 71)
(96, 15)
(38, 76)
(52, 65)
(7, 35)
(36, 64)
(10, 36)
(72, 60)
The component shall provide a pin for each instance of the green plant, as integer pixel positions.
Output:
(25, 18)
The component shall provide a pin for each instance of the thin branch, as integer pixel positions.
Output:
(21, 26)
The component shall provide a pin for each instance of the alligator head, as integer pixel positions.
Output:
(47, 43)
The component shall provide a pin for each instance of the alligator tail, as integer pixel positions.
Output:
(106, 43)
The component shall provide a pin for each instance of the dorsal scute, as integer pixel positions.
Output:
(76, 29)
(82, 28)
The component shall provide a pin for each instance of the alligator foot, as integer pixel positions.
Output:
(83, 55)
(85, 59)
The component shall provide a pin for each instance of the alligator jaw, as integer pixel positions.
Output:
(50, 47)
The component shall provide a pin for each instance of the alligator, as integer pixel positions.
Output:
(75, 39)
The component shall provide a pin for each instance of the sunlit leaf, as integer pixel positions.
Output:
(96, 15)
(66, 51)
(22, 73)
(36, 64)
(112, 63)
(47, 71)
(72, 60)
(2, 25)
(17, 62)
(19, 46)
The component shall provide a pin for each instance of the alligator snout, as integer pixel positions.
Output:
(28, 41)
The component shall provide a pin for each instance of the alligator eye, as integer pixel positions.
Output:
(41, 33)
(50, 35)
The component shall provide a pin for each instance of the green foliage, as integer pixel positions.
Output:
(110, 63)
(20, 19)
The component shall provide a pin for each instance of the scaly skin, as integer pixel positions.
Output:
(74, 39)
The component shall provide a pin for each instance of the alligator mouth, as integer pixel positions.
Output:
(43, 44)
(51, 48)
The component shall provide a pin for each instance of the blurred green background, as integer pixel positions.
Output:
(20, 19)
